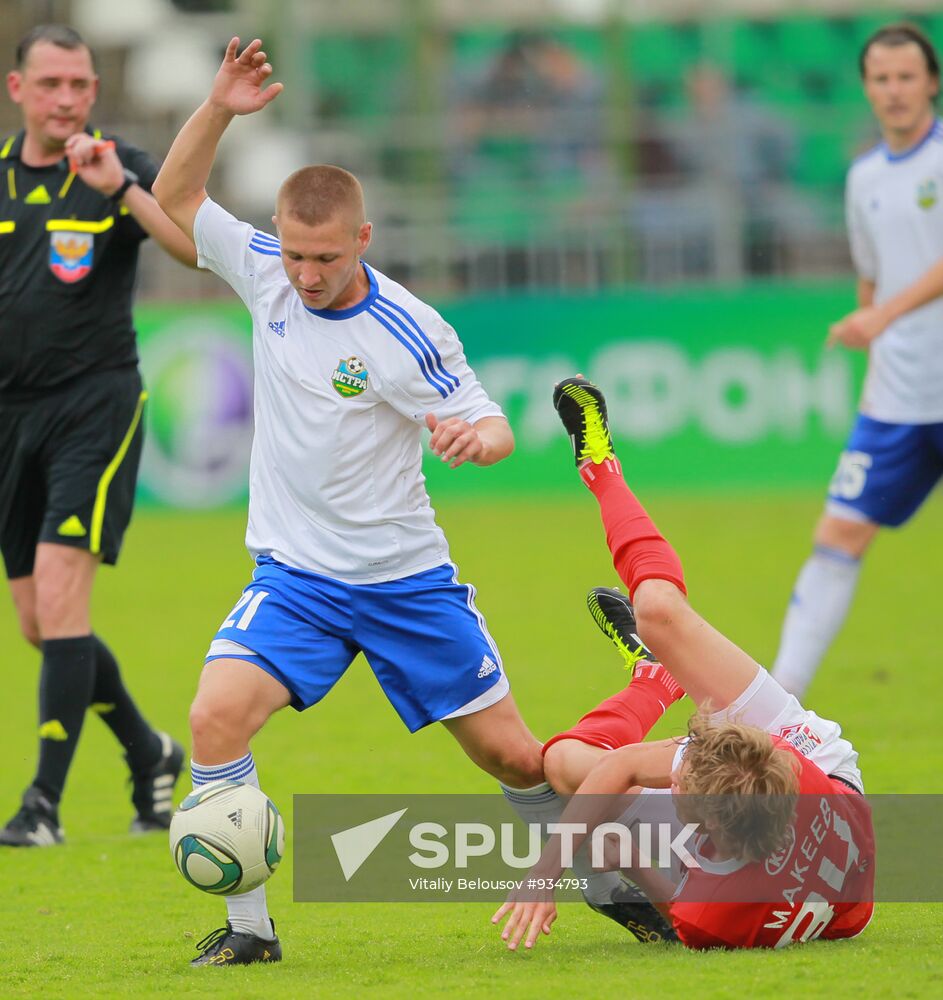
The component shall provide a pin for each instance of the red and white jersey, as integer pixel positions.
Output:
(819, 885)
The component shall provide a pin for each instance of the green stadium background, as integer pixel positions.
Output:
(723, 389)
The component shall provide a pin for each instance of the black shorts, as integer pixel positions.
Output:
(68, 467)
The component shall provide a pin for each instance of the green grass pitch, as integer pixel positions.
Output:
(107, 915)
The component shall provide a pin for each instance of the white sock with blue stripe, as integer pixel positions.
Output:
(248, 913)
(542, 805)
(817, 610)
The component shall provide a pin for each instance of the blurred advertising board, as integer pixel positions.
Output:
(707, 389)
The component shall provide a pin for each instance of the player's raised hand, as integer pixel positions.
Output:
(454, 440)
(858, 328)
(239, 80)
(531, 918)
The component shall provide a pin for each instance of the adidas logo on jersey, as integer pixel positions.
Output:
(236, 819)
(278, 327)
(488, 666)
(71, 527)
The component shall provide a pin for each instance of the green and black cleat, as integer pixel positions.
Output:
(35, 825)
(153, 792)
(582, 408)
(224, 946)
(629, 908)
(613, 613)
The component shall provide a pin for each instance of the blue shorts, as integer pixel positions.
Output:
(422, 635)
(886, 471)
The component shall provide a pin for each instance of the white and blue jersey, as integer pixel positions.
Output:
(894, 455)
(349, 556)
(335, 479)
(894, 211)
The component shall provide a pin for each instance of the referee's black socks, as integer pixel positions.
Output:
(66, 681)
(76, 674)
(113, 702)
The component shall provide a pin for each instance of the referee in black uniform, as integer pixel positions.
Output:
(74, 208)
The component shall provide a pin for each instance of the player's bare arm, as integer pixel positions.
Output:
(597, 800)
(97, 165)
(180, 187)
(456, 441)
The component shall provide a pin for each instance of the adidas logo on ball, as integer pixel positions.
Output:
(227, 837)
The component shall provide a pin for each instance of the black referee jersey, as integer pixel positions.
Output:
(68, 257)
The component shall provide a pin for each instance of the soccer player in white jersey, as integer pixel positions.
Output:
(894, 455)
(350, 369)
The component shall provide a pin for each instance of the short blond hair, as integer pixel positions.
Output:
(742, 785)
(314, 195)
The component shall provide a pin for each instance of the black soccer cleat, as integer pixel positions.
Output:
(224, 946)
(613, 613)
(629, 908)
(154, 789)
(35, 825)
(582, 408)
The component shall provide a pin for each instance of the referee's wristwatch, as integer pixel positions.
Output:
(130, 177)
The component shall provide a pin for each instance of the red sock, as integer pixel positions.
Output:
(639, 550)
(626, 717)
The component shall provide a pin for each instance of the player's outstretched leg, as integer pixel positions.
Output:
(708, 665)
(639, 550)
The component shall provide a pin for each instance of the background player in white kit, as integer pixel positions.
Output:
(349, 369)
(894, 455)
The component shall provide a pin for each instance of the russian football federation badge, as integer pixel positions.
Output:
(927, 194)
(70, 255)
(349, 377)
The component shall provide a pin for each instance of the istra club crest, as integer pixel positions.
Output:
(70, 255)
(349, 377)
(927, 194)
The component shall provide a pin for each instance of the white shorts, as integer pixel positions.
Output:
(766, 705)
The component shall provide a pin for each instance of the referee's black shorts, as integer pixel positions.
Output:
(68, 467)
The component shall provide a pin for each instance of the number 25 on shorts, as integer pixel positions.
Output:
(851, 475)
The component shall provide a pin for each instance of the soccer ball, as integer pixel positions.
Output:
(227, 837)
(354, 365)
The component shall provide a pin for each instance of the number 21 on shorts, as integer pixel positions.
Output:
(248, 604)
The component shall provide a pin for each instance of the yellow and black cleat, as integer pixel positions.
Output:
(613, 613)
(582, 408)
(224, 946)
